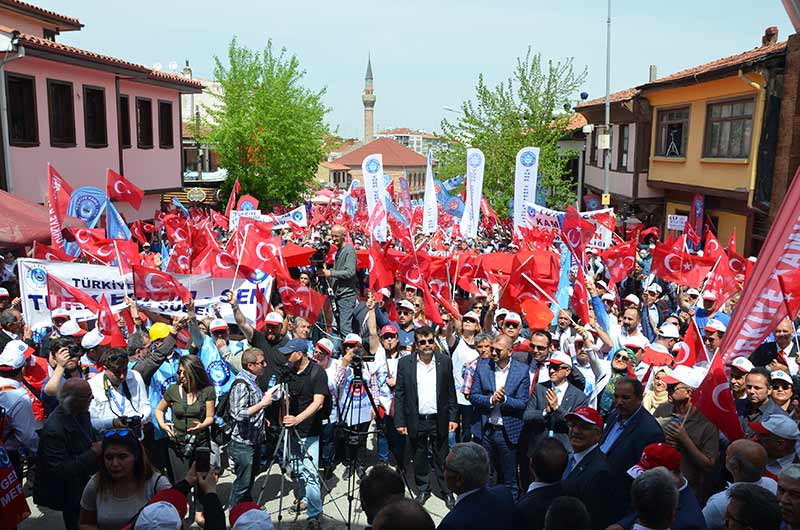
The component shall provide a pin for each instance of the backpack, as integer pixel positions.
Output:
(222, 428)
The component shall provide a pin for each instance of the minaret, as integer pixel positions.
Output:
(369, 103)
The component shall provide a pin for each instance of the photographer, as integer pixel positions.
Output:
(308, 391)
(119, 395)
(343, 279)
(64, 361)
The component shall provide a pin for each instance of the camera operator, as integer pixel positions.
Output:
(308, 391)
(64, 361)
(344, 280)
(119, 395)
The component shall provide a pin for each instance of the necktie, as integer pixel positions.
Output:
(570, 466)
(534, 379)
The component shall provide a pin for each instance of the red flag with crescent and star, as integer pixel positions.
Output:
(722, 282)
(121, 189)
(712, 247)
(59, 193)
(620, 260)
(679, 266)
(580, 297)
(157, 286)
(300, 300)
(108, 326)
(48, 253)
(714, 399)
(60, 293)
(691, 350)
(576, 232)
(790, 286)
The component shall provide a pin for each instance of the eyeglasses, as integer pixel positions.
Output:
(781, 386)
(621, 356)
(117, 433)
(389, 336)
(536, 347)
(423, 342)
(556, 367)
(470, 320)
(498, 350)
(260, 363)
(403, 312)
(510, 325)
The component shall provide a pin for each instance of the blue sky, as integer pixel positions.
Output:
(425, 54)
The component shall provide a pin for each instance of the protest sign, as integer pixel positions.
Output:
(547, 219)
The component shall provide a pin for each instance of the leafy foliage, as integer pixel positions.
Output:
(522, 111)
(266, 127)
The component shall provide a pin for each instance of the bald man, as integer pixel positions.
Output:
(746, 460)
(68, 450)
(343, 279)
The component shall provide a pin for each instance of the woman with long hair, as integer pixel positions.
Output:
(191, 401)
(123, 485)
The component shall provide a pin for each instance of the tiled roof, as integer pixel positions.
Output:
(394, 154)
(335, 166)
(38, 12)
(760, 53)
(622, 95)
(576, 121)
(34, 42)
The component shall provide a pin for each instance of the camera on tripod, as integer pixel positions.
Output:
(318, 258)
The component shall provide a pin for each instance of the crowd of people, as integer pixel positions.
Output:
(576, 424)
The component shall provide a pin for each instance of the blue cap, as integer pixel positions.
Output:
(293, 346)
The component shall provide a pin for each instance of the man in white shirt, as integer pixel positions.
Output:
(19, 430)
(119, 395)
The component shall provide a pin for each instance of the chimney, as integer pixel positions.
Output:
(653, 73)
(187, 70)
(770, 36)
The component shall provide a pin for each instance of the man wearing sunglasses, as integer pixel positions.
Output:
(231, 350)
(118, 393)
(426, 410)
(405, 324)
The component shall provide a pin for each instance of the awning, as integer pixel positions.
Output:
(22, 221)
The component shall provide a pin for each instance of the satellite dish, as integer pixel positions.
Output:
(157, 67)
(173, 65)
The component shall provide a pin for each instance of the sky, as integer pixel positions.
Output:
(425, 54)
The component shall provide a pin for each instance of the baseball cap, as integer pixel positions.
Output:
(59, 312)
(502, 312)
(636, 341)
(602, 283)
(654, 288)
(780, 425)
(471, 315)
(273, 319)
(657, 455)
(513, 318)
(587, 414)
(743, 364)
(669, 331)
(218, 325)
(248, 515)
(93, 339)
(409, 287)
(385, 292)
(388, 329)
(159, 330)
(632, 298)
(780, 375)
(352, 338)
(524, 346)
(693, 292)
(326, 345)
(146, 244)
(70, 328)
(607, 297)
(3, 292)
(683, 374)
(560, 357)
(407, 305)
(14, 355)
(709, 295)
(715, 325)
(293, 346)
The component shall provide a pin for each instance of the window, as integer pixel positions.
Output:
(165, 140)
(144, 123)
(729, 129)
(22, 120)
(673, 131)
(624, 137)
(62, 113)
(593, 148)
(94, 116)
(125, 121)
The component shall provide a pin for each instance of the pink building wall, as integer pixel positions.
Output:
(23, 24)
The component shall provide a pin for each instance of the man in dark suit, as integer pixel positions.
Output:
(426, 409)
(776, 355)
(552, 400)
(476, 507)
(548, 464)
(628, 430)
(500, 394)
(587, 476)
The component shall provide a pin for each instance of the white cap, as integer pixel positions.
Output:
(326, 345)
(693, 292)
(502, 312)
(274, 319)
(14, 355)
(253, 520)
(513, 318)
(92, 339)
(352, 338)
(385, 292)
(669, 331)
(636, 341)
(407, 305)
(709, 295)
(559, 357)
(602, 284)
(684, 374)
(607, 296)
(781, 425)
(3, 292)
(59, 312)
(743, 364)
(654, 288)
(715, 325)
(159, 515)
(473, 315)
(70, 328)
(633, 299)
(218, 325)
(782, 376)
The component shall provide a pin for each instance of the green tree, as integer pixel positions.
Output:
(266, 127)
(521, 111)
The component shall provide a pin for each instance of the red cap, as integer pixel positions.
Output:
(182, 339)
(524, 346)
(174, 497)
(241, 508)
(587, 414)
(657, 455)
(388, 329)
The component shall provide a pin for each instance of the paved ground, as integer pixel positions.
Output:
(335, 503)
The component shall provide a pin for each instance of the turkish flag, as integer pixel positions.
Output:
(790, 286)
(691, 350)
(138, 232)
(126, 254)
(177, 228)
(679, 267)
(732, 240)
(59, 193)
(47, 253)
(220, 264)
(580, 297)
(180, 261)
(739, 265)
(103, 250)
(722, 281)
(232, 199)
(691, 235)
(219, 220)
(533, 275)
(262, 309)
(157, 286)
(380, 274)
(714, 399)
(149, 228)
(537, 314)
(712, 248)
(620, 260)
(263, 254)
(108, 326)
(121, 189)
(300, 300)
(466, 267)
(576, 232)
(60, 293)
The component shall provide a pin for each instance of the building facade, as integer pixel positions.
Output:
(419, 141)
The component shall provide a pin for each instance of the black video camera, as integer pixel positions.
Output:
(318, 258)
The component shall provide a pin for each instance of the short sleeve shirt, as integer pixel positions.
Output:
(115, 512)
(302, 389)
(184, 415)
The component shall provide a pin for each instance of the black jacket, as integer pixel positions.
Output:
(486, 508)
(532, 507)
(406, 399)
(65, 461)
(589, 481)
(540, 424)
(640, 430)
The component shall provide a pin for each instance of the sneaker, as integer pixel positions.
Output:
(299, 506)
(314, 524)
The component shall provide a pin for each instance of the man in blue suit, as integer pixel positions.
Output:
(500, 394)
(477, 507)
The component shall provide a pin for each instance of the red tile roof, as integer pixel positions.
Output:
(38, 12)
(576, 121)
(39, 43)
(622, 95)
(394, 154)
(335, 166)
(760, 53)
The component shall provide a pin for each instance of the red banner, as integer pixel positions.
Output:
(13, 505)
